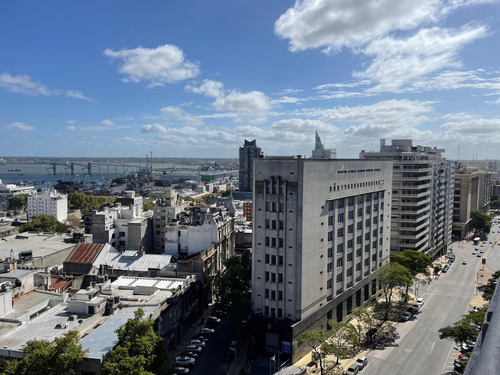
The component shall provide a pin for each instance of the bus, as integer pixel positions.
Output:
(476, 240)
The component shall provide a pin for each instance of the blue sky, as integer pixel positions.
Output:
(186, 78)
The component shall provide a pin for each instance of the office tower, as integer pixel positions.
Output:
(319, 151)
(248, 152)
(472, 193)
(422, 196)
(320, 229)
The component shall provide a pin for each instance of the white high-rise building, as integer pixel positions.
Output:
(422, 199)
(320, 229)
(48, 202)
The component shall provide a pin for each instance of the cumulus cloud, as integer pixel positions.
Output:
(332, 25)
(396, 113)
(302, 126)
(209, 88)
(70, 128)
(181, 115)
(77, 95)
(23, 84)
(397, 61)
(19, 126)
(107, 123)
(153, 128)
(160, 65)
(243, 102)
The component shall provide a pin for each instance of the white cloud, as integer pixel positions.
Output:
(77, 95)
(332, 25)
(452, 80)
(160, 65)
(181, 115)
(302, 126)
(153, 128)
(395, 113)
(209, 88)
(287, 99)
(399, 61)
(243, 102)
(70, 128)
(23, 84)
(19, 126)
(108, 123)
(71, 122)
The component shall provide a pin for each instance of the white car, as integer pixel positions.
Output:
(184, 361)
(198, 343)
(464, 261)
(419, 302)
(194, 348)
(207, 331)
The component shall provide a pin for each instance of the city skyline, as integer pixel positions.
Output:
(194, 79)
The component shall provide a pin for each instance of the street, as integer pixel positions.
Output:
(419, 350)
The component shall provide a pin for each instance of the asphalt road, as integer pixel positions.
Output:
(419, 350)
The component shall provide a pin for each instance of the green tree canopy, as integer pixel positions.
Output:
(87, 203)
(480, 221)
(44, 223)
(343, 339)
(18, 202)
(139, 351)
(460, 332)
(147, 206)
(41, 357)
(232, 288)
(316, 339)
(389, 277)
(416, 261)
(489, 288)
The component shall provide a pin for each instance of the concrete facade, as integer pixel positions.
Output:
(422, 196)
(48, 202)
(472, 192)
(321, 228)
(248, 152)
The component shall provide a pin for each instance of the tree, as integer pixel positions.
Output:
(232, 288)
(460, 332)
(139, 351)
(148, 206)
(343, 339)
(41, 357)
(416, 261)
(389, 277)
(480, 221)
(44, 223)
(316, 339)
(364, 321)
(74, 221)
(489, 288)
(86, 203)
(18, 202)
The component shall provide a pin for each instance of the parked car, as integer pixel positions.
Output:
(420, 301)
(184, 361)
(207, 331)
(445, 269)
(201, 338)
(353, 370)
(362, 362)
(406, 316)
(479, 255)
(198, 343)
(233, 346)
(189, 354)
(464, 262)
(181, 370)
(194, 348)
(213, 321)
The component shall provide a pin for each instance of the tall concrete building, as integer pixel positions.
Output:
(320, 229)
(320, 152)
(472, 193)
(421, 217)
(48, 202)
(248, 152)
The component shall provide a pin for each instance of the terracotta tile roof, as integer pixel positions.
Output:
(85, 253)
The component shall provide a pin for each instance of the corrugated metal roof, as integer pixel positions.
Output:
(143, 262)
(85, 253)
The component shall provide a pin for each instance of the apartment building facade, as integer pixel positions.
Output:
(422, 196)
(472, 192)
(248, 153)
(320, 230)
(48, 202)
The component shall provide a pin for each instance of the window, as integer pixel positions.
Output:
(273, 277)
(267, 276)
(273, 259)
(121, 234)
(273, 224)
(340, 217)
(340, 278)
(267, 258)
(280, 242)
(330, 236)
(340, 248)
(273, 294)
(350, 244)
(280, 277)
(281, 226)
(340, 203)
(266, 310)
(280, 260)
(267, 241)
(268, 223)
(273, 242)
(350, 215)
(330, 252)
(280, 295)
(280, 313)
(266, 294)
(340, 232)
(340, 262)
(330, 220)
(350, 229)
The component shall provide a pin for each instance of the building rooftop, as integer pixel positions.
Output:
(104, 338)
(41, 244)
(85, 253)
(132, 260)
